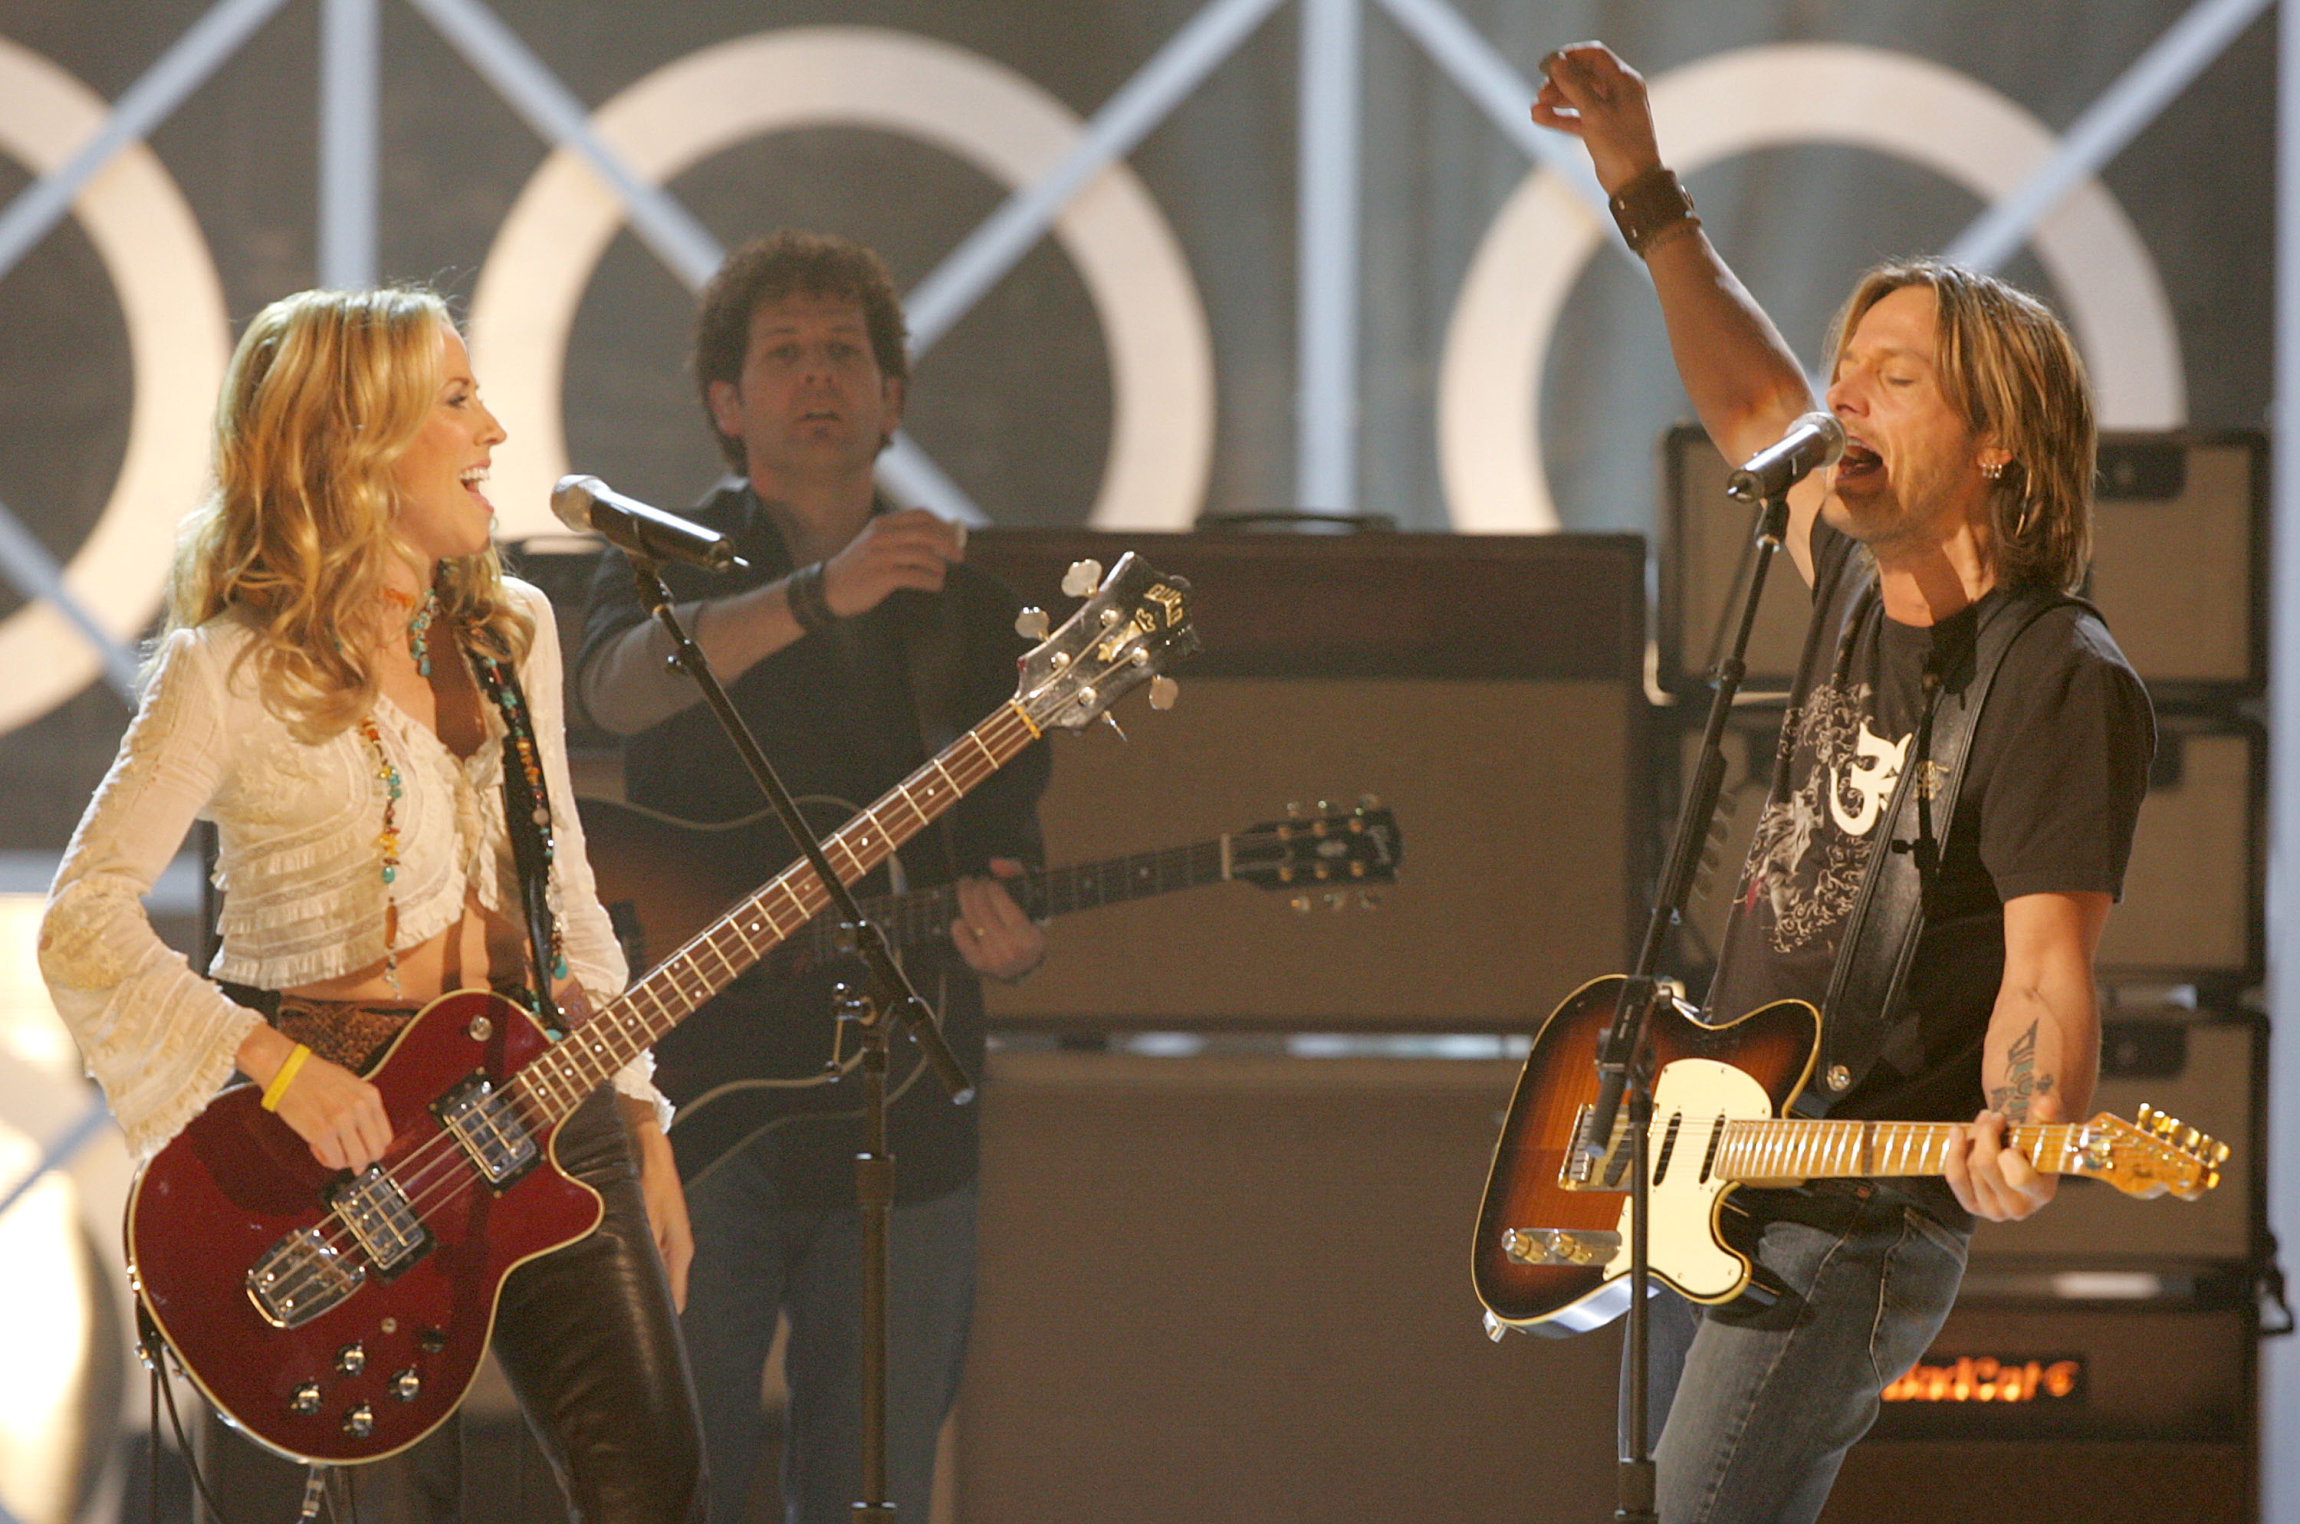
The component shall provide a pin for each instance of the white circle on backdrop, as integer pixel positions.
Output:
(1154, 324)
(179, 338)
(1489, 387)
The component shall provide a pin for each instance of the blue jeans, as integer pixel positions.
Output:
(1761, 1409)
(755, 1259)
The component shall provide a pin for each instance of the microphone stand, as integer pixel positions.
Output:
(886, 995)
(1624, 1067)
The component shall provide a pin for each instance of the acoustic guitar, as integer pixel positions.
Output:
(662, 878)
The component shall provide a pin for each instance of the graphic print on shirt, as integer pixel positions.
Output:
(1811, 847)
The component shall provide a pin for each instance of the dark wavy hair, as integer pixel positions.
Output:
(785, 264)
(2009, 368)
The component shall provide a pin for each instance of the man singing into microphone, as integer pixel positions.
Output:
(1936, 548)
(856, 645)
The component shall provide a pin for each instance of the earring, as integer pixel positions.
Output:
(1992, 469)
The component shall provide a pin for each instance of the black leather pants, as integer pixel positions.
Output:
(588, 1339)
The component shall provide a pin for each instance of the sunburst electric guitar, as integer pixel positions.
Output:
(1552, 1248)
(339, 1318)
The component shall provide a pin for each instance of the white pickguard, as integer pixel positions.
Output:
(1683, 1248)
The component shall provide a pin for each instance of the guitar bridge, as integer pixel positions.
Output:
(1561, 1246)
(299, 1278)
(488, 1127)
(1579, 1171)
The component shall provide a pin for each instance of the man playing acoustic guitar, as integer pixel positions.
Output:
(1962, 501)
(856, 643)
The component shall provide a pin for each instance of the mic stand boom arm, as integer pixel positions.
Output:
(890, 984)
(1623, 1066)
(887, 995)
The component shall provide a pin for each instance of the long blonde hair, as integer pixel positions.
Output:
(325, 392)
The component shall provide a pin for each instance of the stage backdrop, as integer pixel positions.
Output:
(1132, 369)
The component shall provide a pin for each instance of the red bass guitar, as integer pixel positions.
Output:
(338, 1318)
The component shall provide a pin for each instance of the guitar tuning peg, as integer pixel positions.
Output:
(1294, 809)
(1163, 692)
(1337, 899)
(1299, 904)
(1369, 899)
(1111, 720)
(1082, 578)
(1032, 624)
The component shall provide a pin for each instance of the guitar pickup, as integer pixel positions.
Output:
(488, 1127)
(382, 1219)
(1561, 1246)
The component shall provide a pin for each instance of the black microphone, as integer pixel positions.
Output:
(585, 502)
(1813, 441)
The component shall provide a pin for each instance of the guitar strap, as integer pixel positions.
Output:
(527, 815)
(1859, 1020)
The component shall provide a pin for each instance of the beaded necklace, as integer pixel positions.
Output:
(387, 847)
(527, 811)
(418, 624)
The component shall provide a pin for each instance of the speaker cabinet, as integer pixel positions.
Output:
(2087, 1413)
(2178, 535)
(1238, 1288)
(2192, 904)
(1486, 689)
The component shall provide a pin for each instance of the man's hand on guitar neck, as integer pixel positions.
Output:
(1992, 1180)
(991, 933)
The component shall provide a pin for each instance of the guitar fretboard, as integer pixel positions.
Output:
(1798, 1149)
(924, 915)
(558, 1080)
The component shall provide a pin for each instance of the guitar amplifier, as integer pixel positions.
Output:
(2090, 1412)
(2179, 524)
(1488, 689)
(1230, 1286)
(2193, 890)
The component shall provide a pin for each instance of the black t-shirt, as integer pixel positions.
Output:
(837, 715)
(2052, 787)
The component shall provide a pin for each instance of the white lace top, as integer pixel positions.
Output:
(297, 858)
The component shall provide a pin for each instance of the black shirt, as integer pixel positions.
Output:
(2053, 781)
(837, 714)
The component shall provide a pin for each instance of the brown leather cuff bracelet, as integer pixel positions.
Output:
(804, 591)
(1650, 205)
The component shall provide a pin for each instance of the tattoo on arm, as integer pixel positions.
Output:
(2022, 1083)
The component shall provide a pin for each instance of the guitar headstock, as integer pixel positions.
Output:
(1321, 850)
(2148, 1158)
(1132, 628)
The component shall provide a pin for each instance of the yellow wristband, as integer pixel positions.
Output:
(285, 1077)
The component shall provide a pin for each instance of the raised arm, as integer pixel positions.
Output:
(1745, 383)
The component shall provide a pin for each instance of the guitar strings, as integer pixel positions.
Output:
(438, 1171)
(1805, 1147)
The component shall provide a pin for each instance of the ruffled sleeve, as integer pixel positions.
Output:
(157, 1036)
(594, 954)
